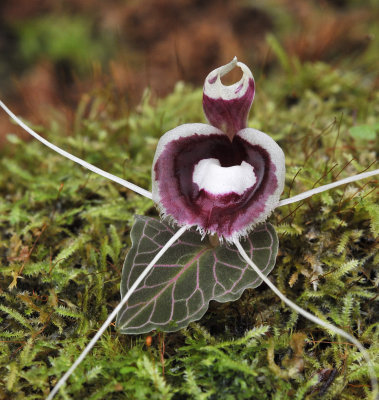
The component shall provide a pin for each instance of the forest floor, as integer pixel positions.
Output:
(64, 233)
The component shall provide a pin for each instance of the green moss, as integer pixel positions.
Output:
(65, 232)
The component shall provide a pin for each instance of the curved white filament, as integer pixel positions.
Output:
(332, 185)
(115, 312)
(78, 160)
(313, 318)
(148, 194)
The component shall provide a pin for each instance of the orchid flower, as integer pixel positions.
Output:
(222, 179)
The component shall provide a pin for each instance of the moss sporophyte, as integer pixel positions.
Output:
(218, 183)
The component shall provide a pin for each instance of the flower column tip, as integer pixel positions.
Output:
(227, 106)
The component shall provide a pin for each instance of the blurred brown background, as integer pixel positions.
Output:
(54, 51)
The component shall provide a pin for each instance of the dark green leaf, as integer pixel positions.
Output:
(192, 272)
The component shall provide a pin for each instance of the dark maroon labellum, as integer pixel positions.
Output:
(228, 214)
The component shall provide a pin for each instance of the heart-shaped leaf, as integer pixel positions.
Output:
(192, 272)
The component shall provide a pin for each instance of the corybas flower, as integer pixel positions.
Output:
(223, 177)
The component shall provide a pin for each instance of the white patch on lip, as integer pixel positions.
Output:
(215, 179)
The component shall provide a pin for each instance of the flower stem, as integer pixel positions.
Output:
(313, 318)
(115, 312)
(323, 188)
(78, 160)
